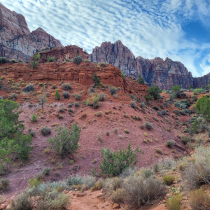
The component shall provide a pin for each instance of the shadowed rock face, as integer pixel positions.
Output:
(17, 42)
(165, 73)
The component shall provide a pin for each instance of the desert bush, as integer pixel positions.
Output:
(4, 60)
(197, 91)
(45, 131)
(66, 140)
(123, 75)
(66, 86)
(33, 64)
(203, 107)
(51, 59)
(139, 192)
(167, 163)
(168, 180)
(77, 96)
(149, 126)
(199, 199)
(89, 181)
(118, 196)
(4, 184)
(101, 97)
(65, 94)
(57, 95)
(142, 104)
(76, 104)
(98, 114)
(176, 90)
(46, 171)
(77, 60)
(170, 143)
(95, 103)
(147, 173)
(133, 104)
(148, 98)
(155, 108)
(140, 80)
(176, 112)
(156, 168)
(111, 165)
(185, 139)
(32, 133)
(112, 90)
(54, 86)
(154, 91)
(164, 112)
(92, 90)
(96, 79)
(34, 118)
(197, 172)
(23, 201)
(28, 88)
(174, 203)
(13, 96)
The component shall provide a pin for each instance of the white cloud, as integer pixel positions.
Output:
(148, 28)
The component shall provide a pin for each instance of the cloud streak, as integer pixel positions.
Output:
(148, 28)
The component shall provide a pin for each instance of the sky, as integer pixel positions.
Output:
(178, 29)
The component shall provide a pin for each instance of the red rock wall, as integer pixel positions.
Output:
(68, 71)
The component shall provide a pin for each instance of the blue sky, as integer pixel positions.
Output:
(178, 29)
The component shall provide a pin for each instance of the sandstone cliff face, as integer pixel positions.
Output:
(164, 73)
(60, 54)
(69, 71)
(17, 42)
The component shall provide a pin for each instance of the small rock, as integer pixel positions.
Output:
(116, 206)
(3, 206)
(80, 194)
(99, 195)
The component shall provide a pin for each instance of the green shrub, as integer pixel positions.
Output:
(66, 86)
(176, 89)
(96, 79)
(197, 91)
(77, 60)
(95, 103)
(203, 107)
(118, 196)
(123, 75)
(148, 98)
(13, 96)
(57, 95)
(65, 141)
(112, 90)
(154, 91)
(13, 141)
(45, 131)
(140, 80)
(168, 180)
(185, 139)
(33, 64)
(4, 60)
(78, 96)
(34, 118)
(111, 165)
(156, 168)
(139, 192)
(65, 94)
(174, 203)
(32, 133)
(51, 59)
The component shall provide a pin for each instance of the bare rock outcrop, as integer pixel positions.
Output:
(61, 54)
(165, 73)
(17, 42)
